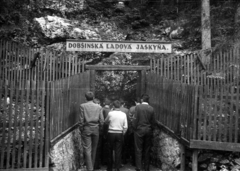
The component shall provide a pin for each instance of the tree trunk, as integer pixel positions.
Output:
(206, 30)
(237, 24)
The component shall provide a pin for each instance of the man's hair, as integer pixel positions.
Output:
(121, 100)
(138, 100)
(145, 98)
(117, 104)
(96, 100)
(89, 95)
(107, 101)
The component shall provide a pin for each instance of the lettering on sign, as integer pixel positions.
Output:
(108, 46)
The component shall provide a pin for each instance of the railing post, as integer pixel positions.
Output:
(182, 157)
(195, 160)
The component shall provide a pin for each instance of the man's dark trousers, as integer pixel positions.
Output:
(143, 142)
(90, 136)
(115, 144)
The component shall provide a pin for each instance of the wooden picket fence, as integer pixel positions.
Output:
(32, 82)
(197, 103)
(66, 96)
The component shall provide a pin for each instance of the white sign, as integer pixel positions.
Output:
(121, 46)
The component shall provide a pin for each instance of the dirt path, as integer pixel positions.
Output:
(129, 167)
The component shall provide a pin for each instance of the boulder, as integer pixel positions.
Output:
(67, 154)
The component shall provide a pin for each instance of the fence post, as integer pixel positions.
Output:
(182, 157)
(195, 160)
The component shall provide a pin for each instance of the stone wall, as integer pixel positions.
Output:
(67, 154)
(165, 151)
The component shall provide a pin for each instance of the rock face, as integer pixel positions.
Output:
(165, 151)
(67, 154)
(57, 27)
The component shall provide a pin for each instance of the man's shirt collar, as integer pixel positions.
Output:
(145, 103)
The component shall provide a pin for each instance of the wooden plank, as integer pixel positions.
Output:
(204, 114)
(195, 117)
(10, 79)
(4, 91)
(36, 151)
(210, 115)
(54, 61)
(237, 101)
(220, 128)
(42, 101)
(51, 66)
(215, 114)
(15, 128)
(32, 91)
(231, 113)
(195, 160)
(188, 68)
(19, 158)
(25, 150)
(63, 134)
(212, 145)
(47, 140)
(42, 124)
(225, 128)
(164, 128)
(183, 157)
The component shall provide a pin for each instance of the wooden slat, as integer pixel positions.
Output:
(210, 115)
(225, 131)
(32, 91)
(231, 113)
(36, 151)
(237, 101)
(220, 128)
(27, 115)
(215, 114)
(205, 114)
(47, 140)
(3, 143)
(10, 79)
(42, 126)
(19, 159)
(15, 128)
(212, 145)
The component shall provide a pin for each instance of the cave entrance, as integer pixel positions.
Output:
(140, 72)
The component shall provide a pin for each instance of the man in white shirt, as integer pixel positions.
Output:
(118, 126)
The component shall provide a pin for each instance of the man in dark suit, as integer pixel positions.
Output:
(91, 120)
(143, 124)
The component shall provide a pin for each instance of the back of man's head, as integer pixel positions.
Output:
(89, 95)
(116, 104)
(145, 98)
(138, 101)
(96, 100)
(122, 102)
(107, 101)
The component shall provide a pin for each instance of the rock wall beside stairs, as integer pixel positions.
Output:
(67, 154)
(165, 151)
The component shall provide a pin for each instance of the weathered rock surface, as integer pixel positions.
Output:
(67, 154)
(166, 151)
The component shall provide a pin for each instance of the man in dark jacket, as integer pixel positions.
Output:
(143, 127)
(91, 120)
